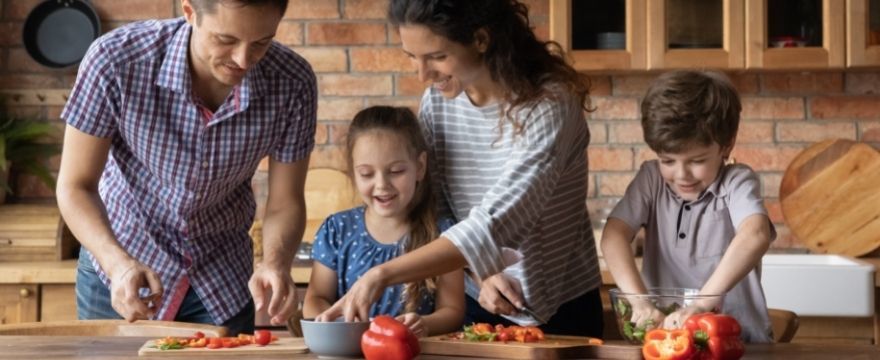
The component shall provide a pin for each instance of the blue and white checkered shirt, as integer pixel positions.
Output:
(177, 184)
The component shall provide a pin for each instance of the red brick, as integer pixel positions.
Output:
(643, 153)
(812, 132)
(614, 184)
(612, 108)
(411, 103)
(339, 108)
(10, 33)
(765, 157)
(591, 186)
(115, 10)
(321, 134)
(851, 107)
(754, 132)
(632, 85)
(23, 112)
(774, 211)
(325, 59)
(604, 158)
(393, 36)
(30, 187)
(329, 156)
(20, 61)
(409, 85)
(366, 9)
(770, 184)
(353, 85)
(629, 132)
(803, 83)
(784, 238)
(772, 108)
(600, 85)
(863, 83)
(538, 7)
(54, 112)
(869, 131)
(18, 9)
(598, 132)
(338, 133)
(289, 33)
(312, 9)
(386, 59)
(14, 81)
(345, 34)
(746, 84)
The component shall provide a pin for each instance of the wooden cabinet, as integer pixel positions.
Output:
(18, 303)
(723, 34)
(57, 302)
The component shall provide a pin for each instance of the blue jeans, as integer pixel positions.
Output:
(93, 302)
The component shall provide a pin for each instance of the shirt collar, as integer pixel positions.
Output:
(717, 189)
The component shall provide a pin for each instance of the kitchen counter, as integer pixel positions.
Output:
(76, 347)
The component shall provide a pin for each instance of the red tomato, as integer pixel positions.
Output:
(199, 335)
(262, 337)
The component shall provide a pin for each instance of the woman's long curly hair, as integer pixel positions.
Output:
(523, 65)
(402, 123)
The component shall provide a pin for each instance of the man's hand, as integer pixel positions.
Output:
(125, 282)
(501, 294)
(283, 302)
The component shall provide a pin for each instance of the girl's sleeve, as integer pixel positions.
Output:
(325, 248)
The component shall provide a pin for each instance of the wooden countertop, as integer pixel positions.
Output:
(82, 347)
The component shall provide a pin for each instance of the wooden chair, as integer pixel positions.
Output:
(144, 328)
(784, 323)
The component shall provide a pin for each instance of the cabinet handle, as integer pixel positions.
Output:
(24, 292)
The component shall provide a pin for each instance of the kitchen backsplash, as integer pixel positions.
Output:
(359, 63)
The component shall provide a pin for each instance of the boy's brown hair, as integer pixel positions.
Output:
(687, 108)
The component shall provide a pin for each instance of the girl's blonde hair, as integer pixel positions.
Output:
(422, 209)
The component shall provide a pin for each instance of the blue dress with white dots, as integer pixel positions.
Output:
(344, 245)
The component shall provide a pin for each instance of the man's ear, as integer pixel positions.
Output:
(481, 40)
(189, 13)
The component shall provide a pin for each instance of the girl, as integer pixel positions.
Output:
(504, 118)
(387, 159)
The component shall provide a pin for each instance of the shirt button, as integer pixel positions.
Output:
(687, 207)
(681, 236)
(204, 164)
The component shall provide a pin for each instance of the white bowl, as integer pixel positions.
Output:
(818, 285)
(334, 339)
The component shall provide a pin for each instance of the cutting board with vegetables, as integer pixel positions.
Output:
(282, 346)
(552, 347)
(830, 195)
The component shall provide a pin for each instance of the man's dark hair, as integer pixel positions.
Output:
(209, 6)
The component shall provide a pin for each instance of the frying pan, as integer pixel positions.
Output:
(57, 33)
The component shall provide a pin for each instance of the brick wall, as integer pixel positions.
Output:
(358, 61)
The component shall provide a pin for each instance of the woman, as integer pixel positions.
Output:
(504, 120)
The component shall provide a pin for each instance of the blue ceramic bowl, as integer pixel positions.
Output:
(334, 339)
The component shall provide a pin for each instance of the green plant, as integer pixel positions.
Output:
(26, 144)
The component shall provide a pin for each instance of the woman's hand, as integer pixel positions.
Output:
(501, 294)
(355, 304)
(415, 324)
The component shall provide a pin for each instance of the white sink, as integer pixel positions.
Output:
(819, 285)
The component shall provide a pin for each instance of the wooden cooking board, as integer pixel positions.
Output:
(830, 197)
(282, 346)
(553, 347)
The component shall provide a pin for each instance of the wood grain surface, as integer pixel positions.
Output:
(553, 347)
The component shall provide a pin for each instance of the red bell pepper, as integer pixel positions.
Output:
(389, 339)
(717, 336)
(661, 344)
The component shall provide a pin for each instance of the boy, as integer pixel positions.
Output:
(705, 223)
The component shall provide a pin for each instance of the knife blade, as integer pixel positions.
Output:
(529, 312)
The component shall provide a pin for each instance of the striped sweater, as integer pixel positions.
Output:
(525, 192)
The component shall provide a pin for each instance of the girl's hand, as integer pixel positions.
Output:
(415, 324)
(355, 304)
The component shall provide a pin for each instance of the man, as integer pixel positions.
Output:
(166, 125)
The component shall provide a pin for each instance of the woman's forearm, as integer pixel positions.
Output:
(436, 258)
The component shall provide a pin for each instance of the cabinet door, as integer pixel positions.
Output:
(863, 33)
(18, 303)
(795, 34)
(600, 35)
(695, 33)
(57, 302)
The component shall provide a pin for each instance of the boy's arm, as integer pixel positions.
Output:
(449, 308)
(321, 292)
(744, 253)
(618, 256)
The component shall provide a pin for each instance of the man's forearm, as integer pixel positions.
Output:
(282, 234)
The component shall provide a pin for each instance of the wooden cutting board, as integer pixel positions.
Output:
(282, 346)
(553, 347)
(830, 197)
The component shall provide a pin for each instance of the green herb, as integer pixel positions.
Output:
(172, 346)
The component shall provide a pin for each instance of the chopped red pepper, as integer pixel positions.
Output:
(717, 336)
(661, 344)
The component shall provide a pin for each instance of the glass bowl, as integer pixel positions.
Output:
(667, 300)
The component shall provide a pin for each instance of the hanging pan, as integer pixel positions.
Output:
(57, 33)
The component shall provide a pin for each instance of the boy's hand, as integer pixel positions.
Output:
(676, 319)
(415, 324)
(646, 315)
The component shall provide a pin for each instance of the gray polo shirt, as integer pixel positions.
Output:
(684, 241)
